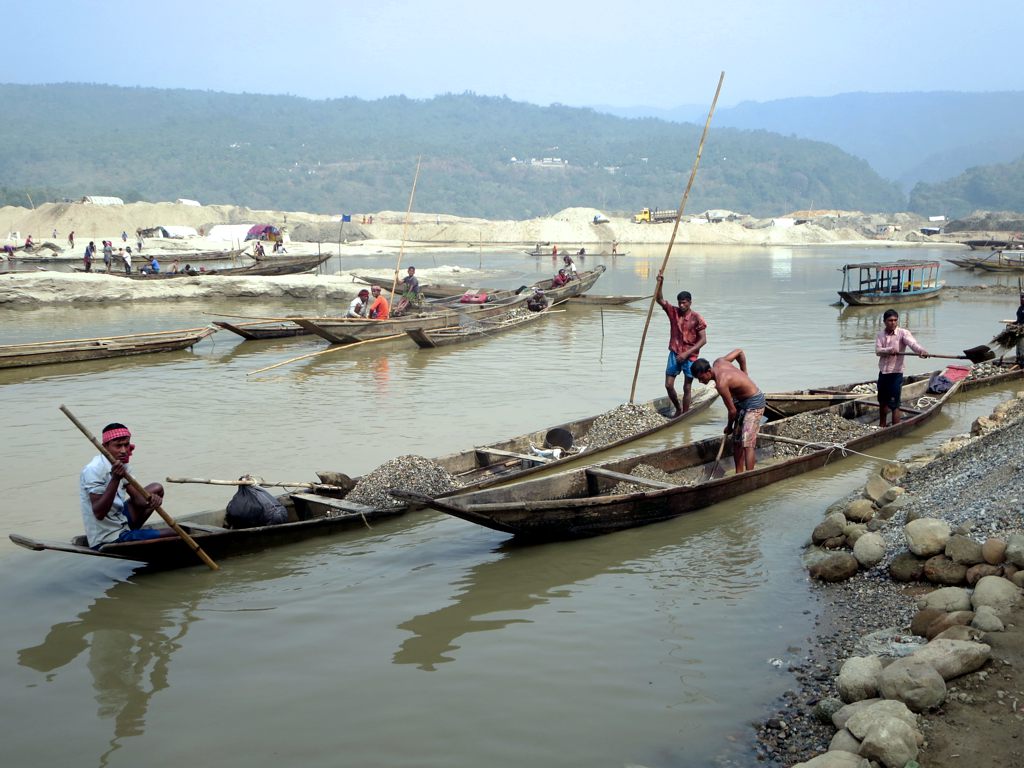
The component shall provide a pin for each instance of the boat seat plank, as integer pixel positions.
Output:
(620, 477)
(203, 527)
(512, 455)
(342, 505)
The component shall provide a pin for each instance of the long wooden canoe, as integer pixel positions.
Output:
(802, 400)
(1003, 261)
(581, 502)
(430, 290)
(475, 329)
(263, 329)
(281, 267)
(322, 514)
(590, 298)
(75, 350)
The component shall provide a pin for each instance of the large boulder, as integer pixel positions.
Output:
(892, 743)
(963, 550)
(905, 567)
(843, 715)
(913, 681)
(953, 658)
(860, 510)
(869, 549)
(927, 536)
(838, 566)
(835, 759)
(997, 593)
(1015, 549)
(858, 678)
(977, 572)
(994, 551)
(939, 569)
(947, 599)
(860, 721)
(947, 620)
(875, 488)
(829, 528)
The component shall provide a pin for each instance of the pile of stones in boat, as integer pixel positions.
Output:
(819, 428)
(650, 473)
(622, 422)
(410, 473)
(982, 370)
(978, 586)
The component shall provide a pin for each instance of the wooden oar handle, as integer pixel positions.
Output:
(141, 489)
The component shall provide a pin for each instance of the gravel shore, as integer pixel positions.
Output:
(977, 489)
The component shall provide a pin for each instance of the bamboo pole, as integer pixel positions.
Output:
(675, 228)
(332, 348)
(254, 481)
(141, 489)
(405, 230)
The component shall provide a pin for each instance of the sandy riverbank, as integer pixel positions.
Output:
(570, 228)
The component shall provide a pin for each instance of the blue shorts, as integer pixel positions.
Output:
(142, 534)
(674, 367)
(890, 387)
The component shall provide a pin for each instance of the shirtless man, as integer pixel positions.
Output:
(742, 398)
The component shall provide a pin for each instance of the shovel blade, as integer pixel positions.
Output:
(979, 354)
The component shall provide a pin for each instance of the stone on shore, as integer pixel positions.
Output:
(927, 536)
(858, 678)
(997, 593)
(913, 681)
(953, 658)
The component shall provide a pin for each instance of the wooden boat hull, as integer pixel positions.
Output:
(866, 299)
(289, 267)
(258, 330)
(589, 298)
(480, 329)
(800, 401)
(312, 515)
(571, 505)
(963, 263)
(76, 350)
(435, 291)
(349, 330)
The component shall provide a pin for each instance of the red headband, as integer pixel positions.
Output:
(113, 434)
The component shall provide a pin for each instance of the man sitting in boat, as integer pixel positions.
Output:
(411, 283)
(538, 302)
(741, 397)
(360, 305)
(559, 280)
(111, 509)
(379, 309)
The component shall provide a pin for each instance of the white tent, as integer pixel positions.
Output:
(186, 201)
(229, 232)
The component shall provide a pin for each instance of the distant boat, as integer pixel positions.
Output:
(75, 350)
(990, 244)
(894, 282)
(1004, 261)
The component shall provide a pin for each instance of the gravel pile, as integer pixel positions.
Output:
(650, 473)
(820, 428)
(410, 473)
(979, 491)
(619, 423)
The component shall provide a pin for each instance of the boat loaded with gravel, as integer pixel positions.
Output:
(652, 487)
(339, 503)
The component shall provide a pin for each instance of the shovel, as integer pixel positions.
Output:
(715, 470)
(978, 354)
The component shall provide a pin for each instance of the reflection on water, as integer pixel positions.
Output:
(128, 647)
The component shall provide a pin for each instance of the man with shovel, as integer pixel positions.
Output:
(741, 397)
(890, 344)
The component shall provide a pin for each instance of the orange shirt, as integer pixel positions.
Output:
(379, 309)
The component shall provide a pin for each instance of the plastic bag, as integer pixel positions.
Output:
(252, 506)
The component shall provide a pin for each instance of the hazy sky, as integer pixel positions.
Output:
(576, 52)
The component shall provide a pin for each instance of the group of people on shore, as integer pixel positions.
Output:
(743, 400)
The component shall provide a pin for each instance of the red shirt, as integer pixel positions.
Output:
(685, 329)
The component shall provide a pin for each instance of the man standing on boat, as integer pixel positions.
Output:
(412, 287)
(687, 337)
(890, 344)
(111, 509)
(742, 399)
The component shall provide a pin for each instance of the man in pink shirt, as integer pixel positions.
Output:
(890, 343)
(687, 337)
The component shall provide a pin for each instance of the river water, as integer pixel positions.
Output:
(428, 641)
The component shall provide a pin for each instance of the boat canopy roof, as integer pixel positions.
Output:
(893, 265)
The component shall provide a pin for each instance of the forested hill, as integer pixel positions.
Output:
(989, 187)
(344, 155)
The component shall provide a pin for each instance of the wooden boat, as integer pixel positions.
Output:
(322, 514)
(263, 329)
(1003, 261)
(448, 312)
(963, 263)
(989, 244)
(348, 330)
(589, 298)
(893, 282)
(582, 502)
(74, 350)
(431, 291)
(790, 403)
(475, 329)
(279, 267)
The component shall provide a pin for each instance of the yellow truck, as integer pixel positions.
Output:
(654, 216)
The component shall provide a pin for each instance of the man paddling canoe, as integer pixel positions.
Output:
(111, 509)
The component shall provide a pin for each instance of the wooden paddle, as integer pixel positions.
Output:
(978, 354)
(141, 489)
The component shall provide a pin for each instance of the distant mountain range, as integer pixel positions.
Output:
(906, 137)
(493, 157)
